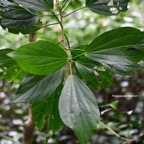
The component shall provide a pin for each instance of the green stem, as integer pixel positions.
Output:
(68, 43)
(51, 24)
(57, 18)
(74, 11)
(78, 55)
(64, 4)
(71, 68)
(112, 131)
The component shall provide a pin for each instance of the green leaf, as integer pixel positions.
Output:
(55, 122)
(40, 110)
(5, 5)
(40, 58)
(9, 68)
(107, 7)
(78, 55)
(78, 108)
(65, 3)
(19, 20)
(84, 71)
(119, 50)
(90, 70)
(38, 88)
(38, 5)
(87, 74)
(105, 77)
(48, 108)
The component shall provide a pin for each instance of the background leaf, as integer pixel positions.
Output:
(78, 108)
(38, 88)
(107, 7)
(18, 19)
(105, 77)
(40, 110)
(48, 108)
(40, 58)
(38, 5)
(8, 67)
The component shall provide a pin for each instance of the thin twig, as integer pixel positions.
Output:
(57, 19)
(51, 24)
(113, 132)
(67, 40)
(61, 21)
(74, 11)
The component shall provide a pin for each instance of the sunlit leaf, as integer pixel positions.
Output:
(40, 58)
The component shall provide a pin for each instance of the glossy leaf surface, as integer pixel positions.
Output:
(38, 88)
(118, 49)
(93, 72)
(18, 20)
(107, 7)
(38, 5)
(78, 108)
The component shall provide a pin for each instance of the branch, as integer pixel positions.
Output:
(61, 21)
(29, 127)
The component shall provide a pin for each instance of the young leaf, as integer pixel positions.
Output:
(118, 49)
(48, 108)
(79, 57)
(19, 20)
(85, 72)
(107, 7)
(78, 108)
(9, 68)
(40, 58)
(106, 77)
(38, 88)
(86, 68)
(38, 5)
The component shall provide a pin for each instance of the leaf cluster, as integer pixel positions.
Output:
(45, 64)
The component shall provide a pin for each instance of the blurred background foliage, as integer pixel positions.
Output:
(124, 115)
